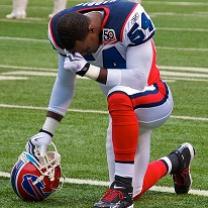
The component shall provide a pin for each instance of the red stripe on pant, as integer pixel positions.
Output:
(125, 126)
(155, 171)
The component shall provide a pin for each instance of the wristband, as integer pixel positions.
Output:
(47, 132)
(84, 70)
(93, 72)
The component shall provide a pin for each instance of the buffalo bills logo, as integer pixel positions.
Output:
(34, 188)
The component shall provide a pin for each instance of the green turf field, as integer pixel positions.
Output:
(182, 40)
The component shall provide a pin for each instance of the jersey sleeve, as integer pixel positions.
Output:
(138, 28)
(139, 61)
(63, 89)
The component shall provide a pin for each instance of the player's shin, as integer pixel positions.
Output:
(155, 171)
(125, 130)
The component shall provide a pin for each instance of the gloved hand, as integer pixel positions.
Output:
(76, 63)
(38, 144)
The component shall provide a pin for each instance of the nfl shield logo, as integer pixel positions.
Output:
(109, 36)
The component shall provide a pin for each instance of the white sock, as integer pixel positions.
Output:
(124, 169)
(168, 163)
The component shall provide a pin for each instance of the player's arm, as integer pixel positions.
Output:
(61, 97)
(138, 61)
(138, 65)
(60, 100)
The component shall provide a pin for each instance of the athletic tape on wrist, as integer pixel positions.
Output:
(93, 72)
(50, 125)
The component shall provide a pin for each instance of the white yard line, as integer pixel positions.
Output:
(168, 74)
(172, 3)
(183, 68)
(182, 49)
(182, 29)
(183, 74)
(32, 73)
(163, 67)
(34, 40)
(176, 14)
(174, 79)
(27, 68)
(2, 105)
(90, 182)
(28, 20)
(12, 78)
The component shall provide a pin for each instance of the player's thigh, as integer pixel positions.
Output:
(152, 105)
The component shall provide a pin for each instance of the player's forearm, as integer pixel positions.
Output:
(104, 76)
(111, 77)
(61, 97)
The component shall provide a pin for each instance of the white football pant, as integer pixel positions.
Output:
(20, 6)
(150, 118)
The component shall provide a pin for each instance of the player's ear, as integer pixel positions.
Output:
(91, 29)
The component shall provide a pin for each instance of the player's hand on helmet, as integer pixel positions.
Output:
(38, 144)
(76, 63)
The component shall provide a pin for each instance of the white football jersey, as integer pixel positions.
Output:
(125, 24)
(126, 49)
(136, 29)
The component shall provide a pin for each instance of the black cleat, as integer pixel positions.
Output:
(181, 172)
(117, 196)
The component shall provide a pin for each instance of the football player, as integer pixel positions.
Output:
(20, 6)
(112, 43)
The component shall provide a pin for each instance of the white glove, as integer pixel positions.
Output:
(38, 144)
(76, 63)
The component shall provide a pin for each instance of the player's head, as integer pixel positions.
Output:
(77, 34)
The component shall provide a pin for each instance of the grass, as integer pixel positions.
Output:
(81, 136)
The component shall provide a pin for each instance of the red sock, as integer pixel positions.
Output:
(155, 171)
(125, 127)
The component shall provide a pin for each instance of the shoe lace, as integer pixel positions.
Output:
(112, 194)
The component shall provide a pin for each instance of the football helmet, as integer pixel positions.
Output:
(34, 179)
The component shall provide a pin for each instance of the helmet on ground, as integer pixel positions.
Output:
(34, 179)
